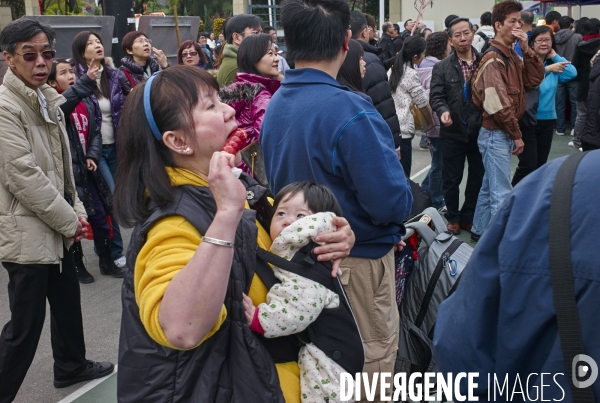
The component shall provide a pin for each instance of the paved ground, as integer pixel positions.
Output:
(101, 306)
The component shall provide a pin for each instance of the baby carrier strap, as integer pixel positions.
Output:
(335, 331)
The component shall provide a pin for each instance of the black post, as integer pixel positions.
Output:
(122, 10)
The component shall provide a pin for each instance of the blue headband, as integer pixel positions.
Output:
(148, 108)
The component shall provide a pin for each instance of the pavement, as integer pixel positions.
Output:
(101, 308)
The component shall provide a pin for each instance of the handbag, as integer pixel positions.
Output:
(253, 157)
(419, 119)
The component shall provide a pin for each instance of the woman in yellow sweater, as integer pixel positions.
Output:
(184, 335)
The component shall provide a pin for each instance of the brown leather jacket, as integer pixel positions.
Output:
(500, 92)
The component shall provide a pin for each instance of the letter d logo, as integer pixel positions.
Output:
(584, 366)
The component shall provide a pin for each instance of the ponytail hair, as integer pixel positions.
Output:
(413, 45)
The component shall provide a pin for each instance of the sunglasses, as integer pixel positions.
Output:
(189, 54)
(32, 56)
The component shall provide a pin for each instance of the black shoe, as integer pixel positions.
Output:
(107, 264)
(94, 370)
(109, 268)
(83, 275)
(475, 237)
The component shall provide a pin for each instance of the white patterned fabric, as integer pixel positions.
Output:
(296, 302)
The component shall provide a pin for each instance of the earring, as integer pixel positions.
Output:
(186, 150)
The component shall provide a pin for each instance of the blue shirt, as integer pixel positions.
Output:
(315, 129)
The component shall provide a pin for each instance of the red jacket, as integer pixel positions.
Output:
(249, 96)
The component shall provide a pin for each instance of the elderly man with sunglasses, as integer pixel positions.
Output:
(40, 216)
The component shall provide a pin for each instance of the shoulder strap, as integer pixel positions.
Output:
(504, 58)
(483, 36)
(563, 291)
(129, 77)
(319, 273)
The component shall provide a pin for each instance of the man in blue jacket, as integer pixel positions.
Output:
(505, 295)
(335, 137)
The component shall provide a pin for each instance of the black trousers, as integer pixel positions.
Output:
(455, 155)
(538, 141)
(28, 287)
(406, 156)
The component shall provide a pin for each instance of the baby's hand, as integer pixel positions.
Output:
(249, 309)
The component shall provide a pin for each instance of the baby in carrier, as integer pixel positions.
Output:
(303, 210)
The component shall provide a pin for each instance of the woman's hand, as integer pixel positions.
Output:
(91, 165)
(337, 245)
(228, 191)
(249, 309)
(93, 70)
(161, 58)
(557, 67)
(551, 54)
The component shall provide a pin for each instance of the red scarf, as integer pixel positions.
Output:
(587, 37)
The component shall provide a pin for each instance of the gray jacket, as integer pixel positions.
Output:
(38, 201)
(566, 42)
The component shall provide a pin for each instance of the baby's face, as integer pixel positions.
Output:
(288, 211)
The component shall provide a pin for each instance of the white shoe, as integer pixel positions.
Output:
(560, 134)
(121, 262)
(443, 210)
(571, 144)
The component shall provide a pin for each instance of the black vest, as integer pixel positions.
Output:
(230, 366)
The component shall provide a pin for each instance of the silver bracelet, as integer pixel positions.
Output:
(218, 242)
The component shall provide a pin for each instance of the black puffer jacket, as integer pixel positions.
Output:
(581, 60)
(387, 53)
(378, 89)
(81, 91)
(231, 366)
(447, 95)
(591, 131)
(129, 66)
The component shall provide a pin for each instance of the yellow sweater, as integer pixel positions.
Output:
(170, 245)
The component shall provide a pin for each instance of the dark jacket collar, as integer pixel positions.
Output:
(370, 49)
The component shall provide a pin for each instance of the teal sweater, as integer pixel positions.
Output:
(547, 106)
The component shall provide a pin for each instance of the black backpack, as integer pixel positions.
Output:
(335, 331)
(529, 117)
(487, 40)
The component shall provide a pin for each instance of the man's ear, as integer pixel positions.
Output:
(345, 45)
(9, 59)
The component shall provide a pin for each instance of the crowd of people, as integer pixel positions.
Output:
(84, 151)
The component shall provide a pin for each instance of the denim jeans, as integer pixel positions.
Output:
(495, 147)
(569, 87)
(433, 181)
(580, 123)
(108, 170)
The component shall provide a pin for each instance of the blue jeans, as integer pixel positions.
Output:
(569, 87)
(495, 147)
(433, 181)
(108, 170)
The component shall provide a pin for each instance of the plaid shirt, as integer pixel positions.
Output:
(467, 68)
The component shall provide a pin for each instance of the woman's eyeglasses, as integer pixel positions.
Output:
(544, 40)
(143, 40)
(189, 54)
(32, 56)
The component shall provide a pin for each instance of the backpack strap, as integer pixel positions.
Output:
(128, 74)
(483, 36)
(496, 50)
(567, 318)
